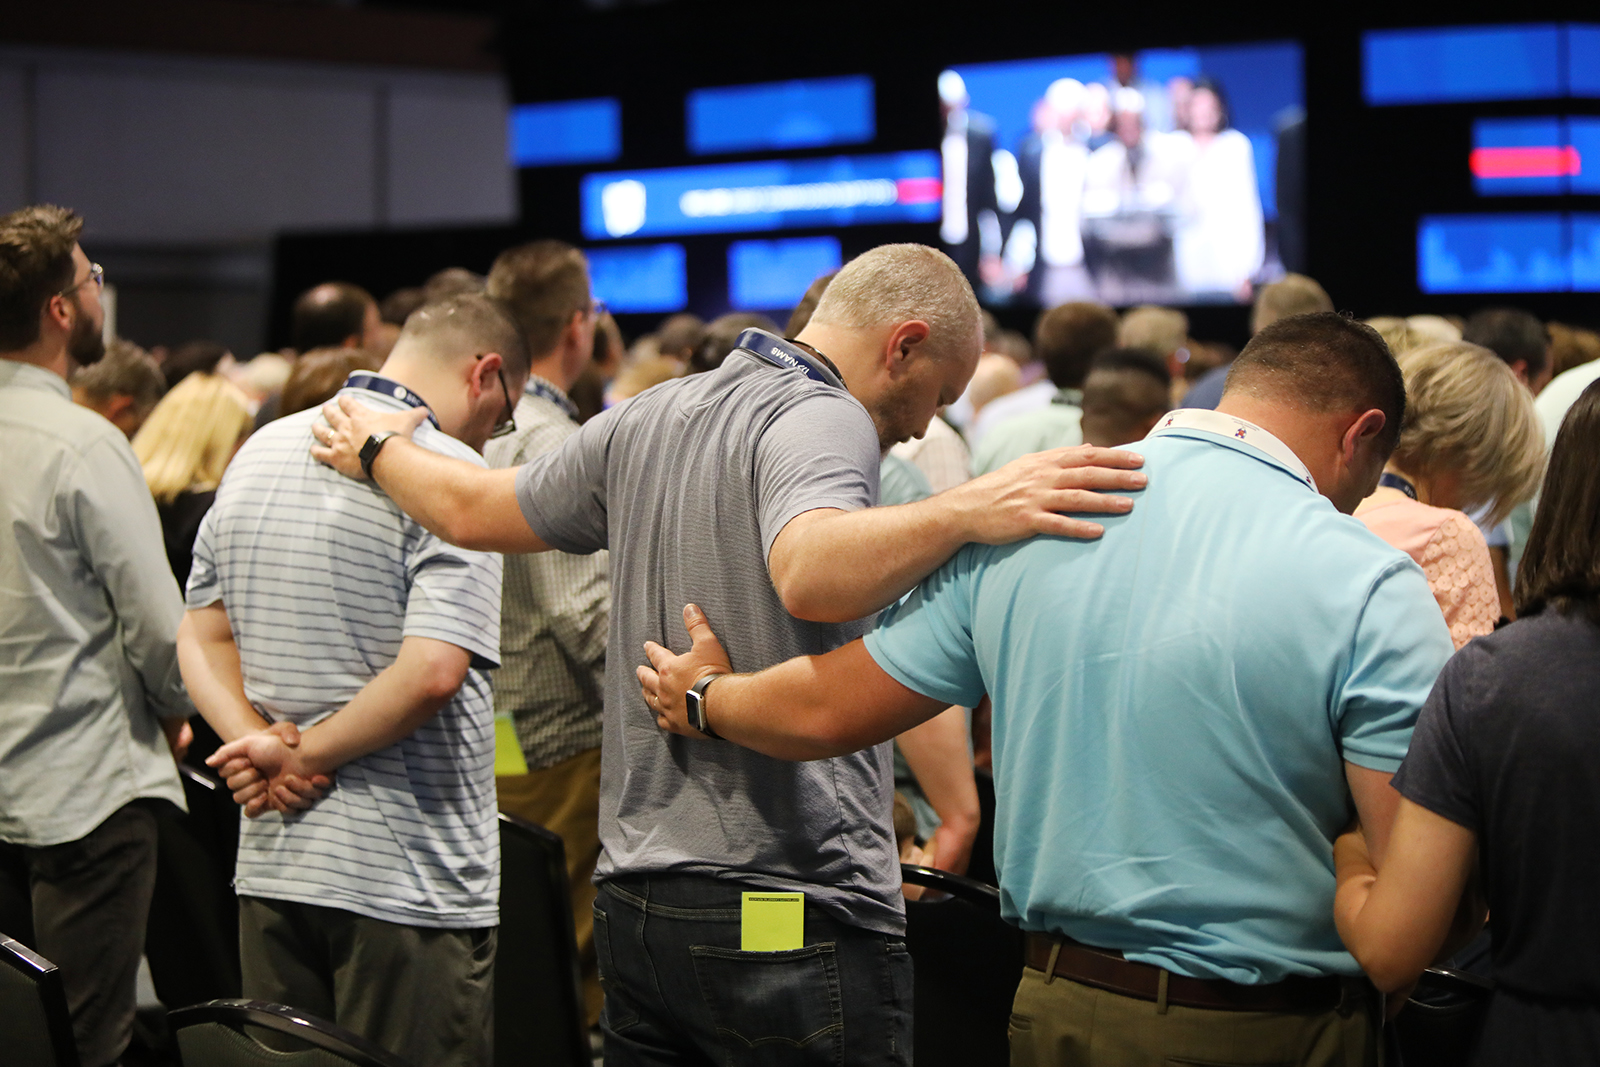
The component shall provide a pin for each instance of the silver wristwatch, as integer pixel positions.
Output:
(695, 703)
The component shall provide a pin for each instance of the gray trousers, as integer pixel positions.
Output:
(424, 993)
(83, 906)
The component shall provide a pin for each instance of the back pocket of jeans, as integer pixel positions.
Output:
(774, 1002)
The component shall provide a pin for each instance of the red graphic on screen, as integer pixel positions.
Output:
(1534, 161)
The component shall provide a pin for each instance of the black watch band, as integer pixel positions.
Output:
(370, 449)
(695, 701)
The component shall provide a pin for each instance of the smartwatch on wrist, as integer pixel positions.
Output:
(695, 704)
(370, 449)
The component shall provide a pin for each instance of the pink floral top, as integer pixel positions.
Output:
(1450, 549)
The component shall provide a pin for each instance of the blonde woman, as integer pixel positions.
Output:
(184, 447)
(1471, 440)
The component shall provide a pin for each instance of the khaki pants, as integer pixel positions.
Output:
(565, 799)
(425, 994)
(1061, 1023)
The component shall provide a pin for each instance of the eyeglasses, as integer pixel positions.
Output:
(97, 274)
(600, 309)
(507, 423)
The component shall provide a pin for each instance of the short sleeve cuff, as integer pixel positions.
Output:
(839, 503)
(942, 691)
(485, 656)
(1386, 762)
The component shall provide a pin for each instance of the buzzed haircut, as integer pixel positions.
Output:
(35, 264)
(901, 282)
(127, 370)
(1293, 294)
(1511, 334)
(328, 315)
(1067, 337)
(472, 320)
(1325, 363)
(543, 283)
(1124, 390)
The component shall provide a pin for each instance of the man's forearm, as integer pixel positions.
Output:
(938, 756)
(844, 565)
(212, 674)
(403, 697)
(457, 501)
(813, 707)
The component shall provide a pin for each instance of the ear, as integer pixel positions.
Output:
(1361, 432)
(901, 340)
(1519, 367)
(482, 376)
(119, 404)
(55, 310)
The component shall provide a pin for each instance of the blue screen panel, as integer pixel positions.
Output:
(1510, 253)
(1519, 157)
(778, 194)
(1586, 253)
(1583, 134)
(571, 131)
(768, 275)
(640, 277)
(1462, 63)
(1583, 61)
(779, 115)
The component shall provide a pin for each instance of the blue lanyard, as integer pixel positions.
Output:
(539, 387)
(781, 353)
(377, 383)
(1394, 481)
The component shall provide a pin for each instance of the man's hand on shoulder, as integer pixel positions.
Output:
(264, 772)
(349, 424)
(669, 677)
(1036, 493)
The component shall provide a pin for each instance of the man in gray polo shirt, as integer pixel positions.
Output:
(315, 602)
(757, 481)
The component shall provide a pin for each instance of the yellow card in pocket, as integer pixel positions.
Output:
(772, 922)
(508, 757)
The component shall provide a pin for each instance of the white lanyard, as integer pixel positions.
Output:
(1236, 429)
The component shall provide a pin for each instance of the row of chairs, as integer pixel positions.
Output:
(967, 962)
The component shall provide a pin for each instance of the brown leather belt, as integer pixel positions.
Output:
(1107, 969)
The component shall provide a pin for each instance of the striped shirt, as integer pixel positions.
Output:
(321, 578)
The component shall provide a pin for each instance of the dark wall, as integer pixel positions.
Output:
(1370, 173)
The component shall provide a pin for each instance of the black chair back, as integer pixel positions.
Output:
(35, 1029)
(1442, 1019)
(538, 996)
(213, 1035)
(968, 962)
(192, 941)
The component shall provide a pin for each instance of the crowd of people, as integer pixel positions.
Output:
(1277, 661)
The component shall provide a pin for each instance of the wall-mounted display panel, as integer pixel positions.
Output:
(1463, 64)
(567, 131)
(1151, 176)
(768, 275)
(779, 116)
(1528, 252)
(640, 278)
(772, 195)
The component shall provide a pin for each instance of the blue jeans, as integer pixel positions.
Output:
(680, 991)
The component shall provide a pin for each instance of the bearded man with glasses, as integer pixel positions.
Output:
(90, 698)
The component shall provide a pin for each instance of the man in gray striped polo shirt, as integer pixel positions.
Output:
(341, 649)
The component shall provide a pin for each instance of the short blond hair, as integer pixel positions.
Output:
(191, 435)
(1154, 329)
(897, 283)
(1466, 413)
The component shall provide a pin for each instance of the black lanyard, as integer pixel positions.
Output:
(1395, 481)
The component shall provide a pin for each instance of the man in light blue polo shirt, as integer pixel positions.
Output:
(1184, 712)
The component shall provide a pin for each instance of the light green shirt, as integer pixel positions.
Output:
(89, 612)
(1056, 425)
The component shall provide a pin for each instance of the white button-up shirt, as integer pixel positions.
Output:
(89, 611)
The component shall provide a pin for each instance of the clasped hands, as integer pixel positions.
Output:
(265, 772)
